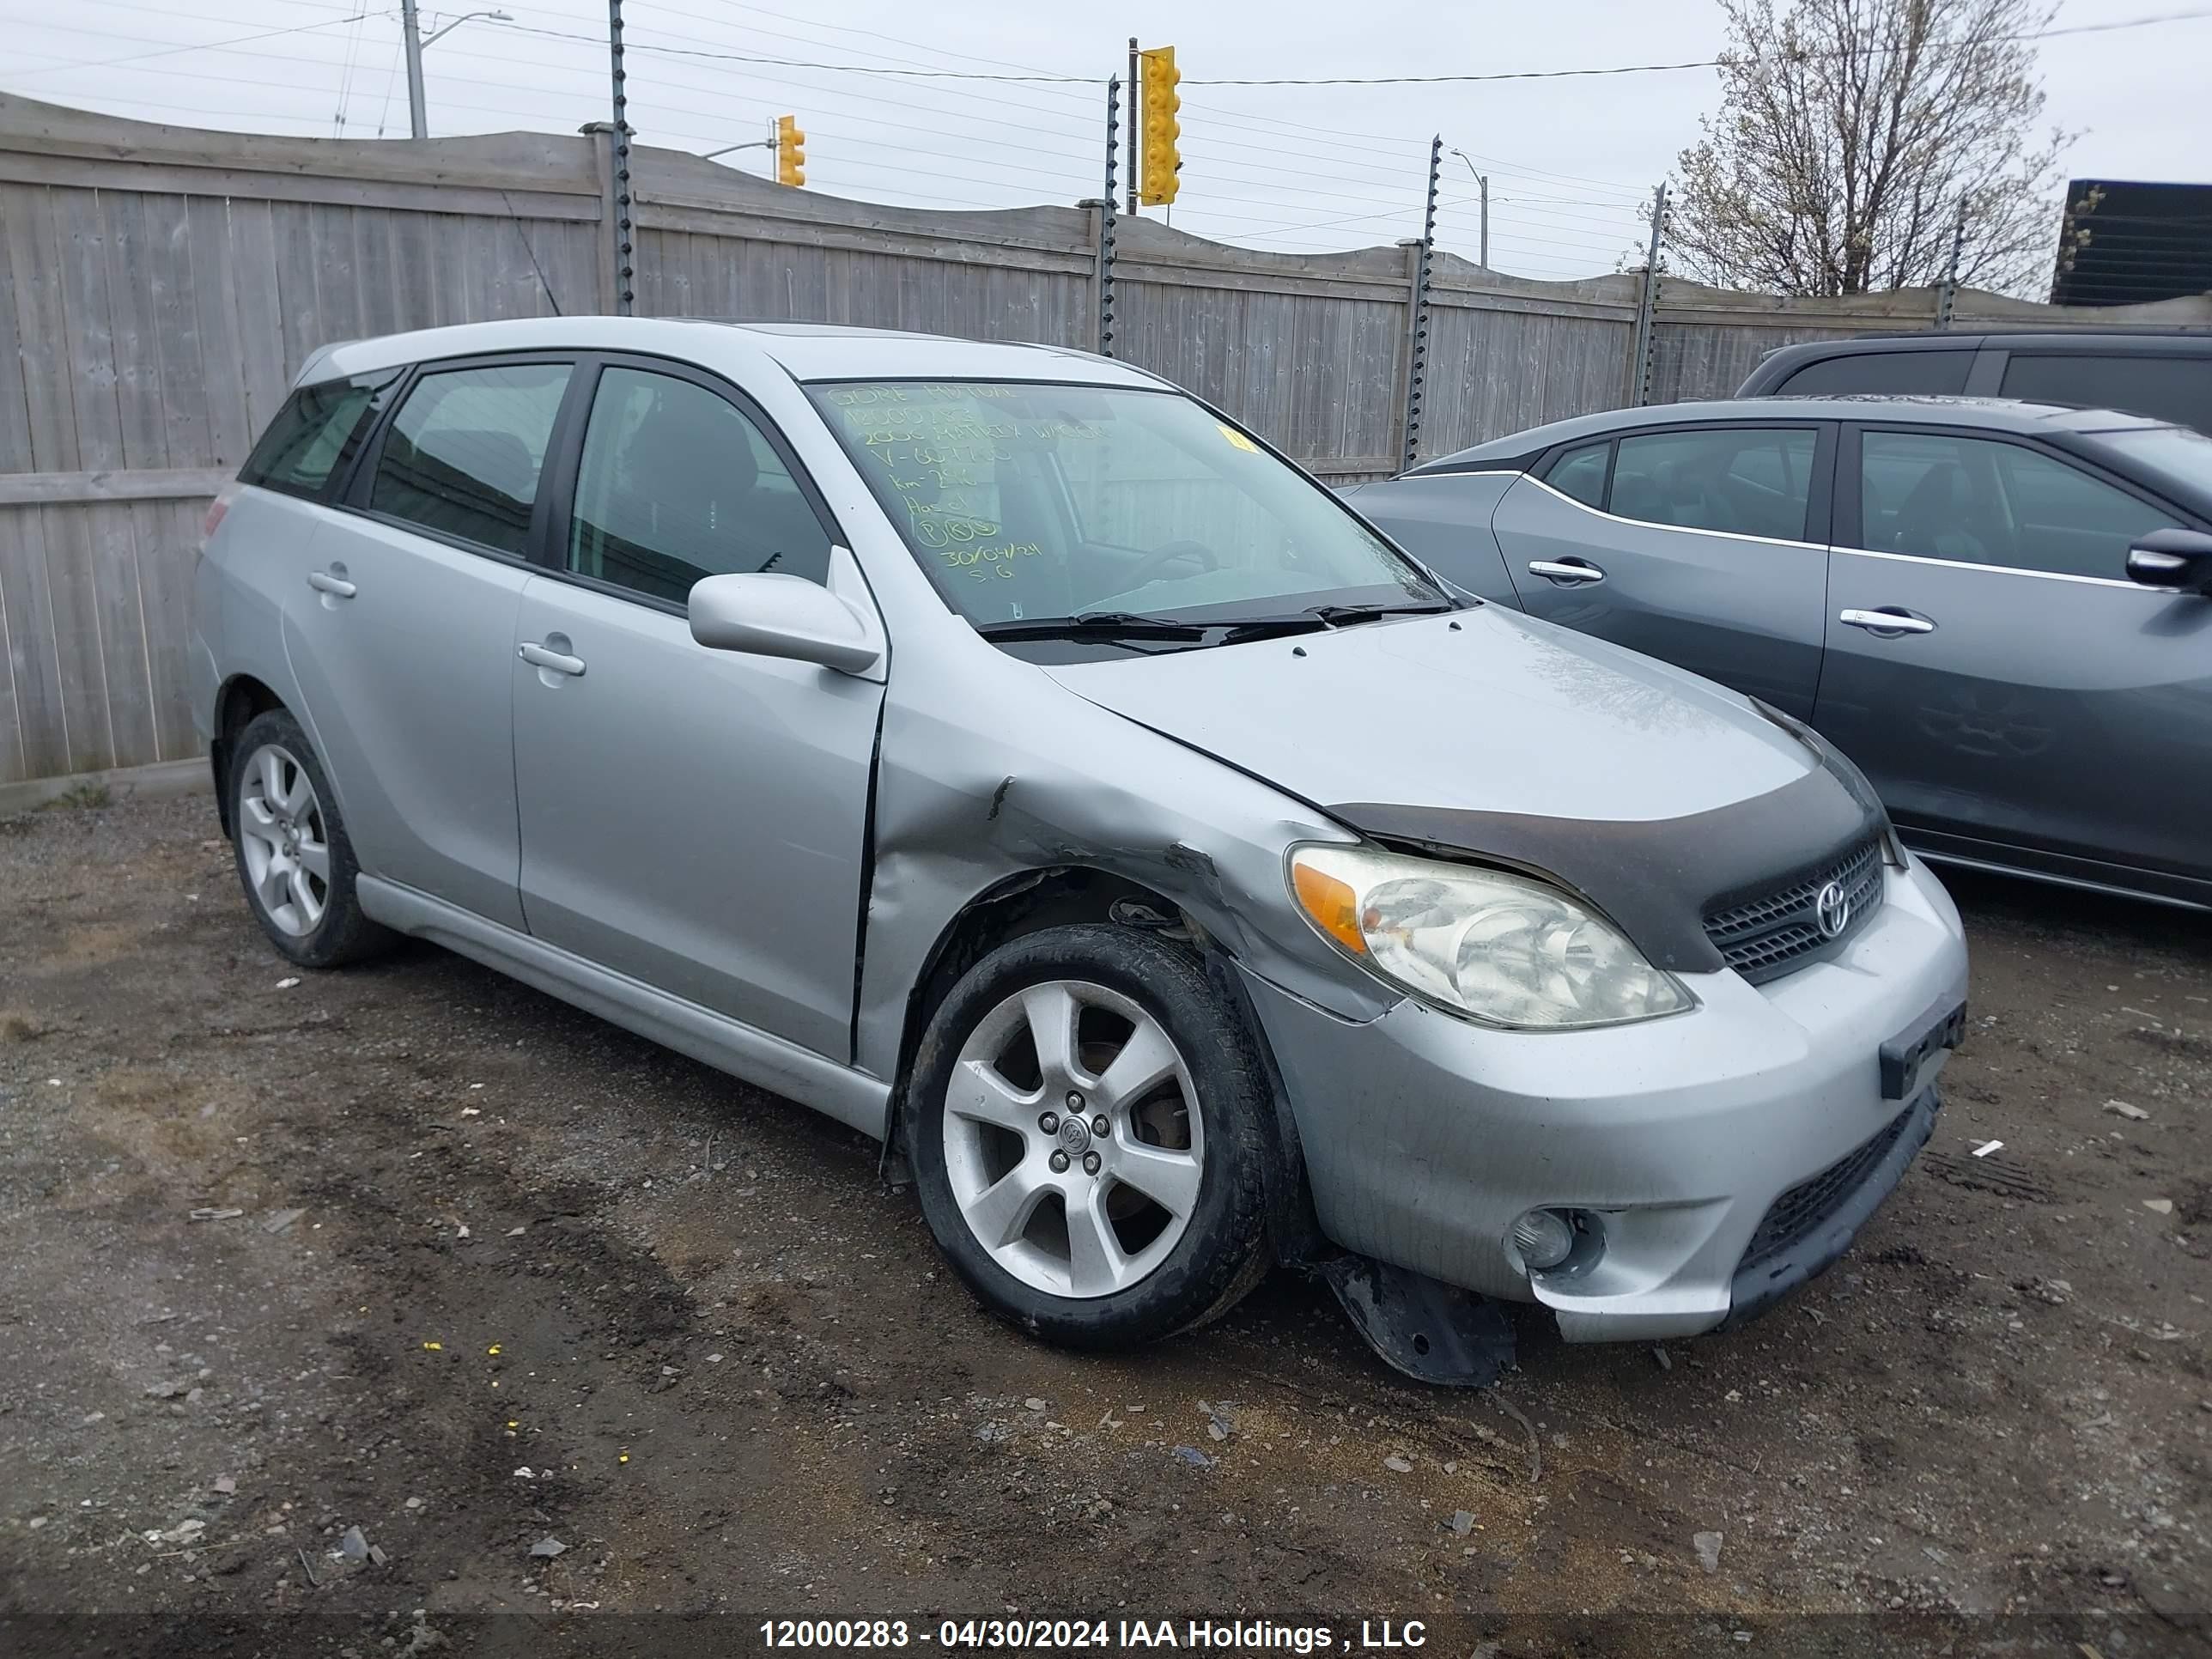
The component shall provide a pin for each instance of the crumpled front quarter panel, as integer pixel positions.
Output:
(989, 770)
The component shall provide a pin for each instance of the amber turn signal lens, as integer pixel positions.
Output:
(1332, 904)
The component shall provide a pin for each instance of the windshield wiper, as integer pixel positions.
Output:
(1094, 624)
(1338, 615)
(1316, 617)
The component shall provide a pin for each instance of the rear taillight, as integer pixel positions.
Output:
(217, 509)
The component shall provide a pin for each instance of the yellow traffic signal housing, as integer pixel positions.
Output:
(1161, 160)
(790, 151)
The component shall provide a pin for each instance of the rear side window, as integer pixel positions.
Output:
(1899, 373)
(1581, 473)
(2164, 388)
(1747, 481)
(319, 427)
(464, 453)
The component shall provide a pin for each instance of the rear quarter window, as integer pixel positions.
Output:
(318, 427)
(2164, 388)
(1903, 374)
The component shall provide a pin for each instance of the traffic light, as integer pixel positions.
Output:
(790, 151)
(1162, 160)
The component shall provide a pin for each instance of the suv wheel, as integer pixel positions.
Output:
(1086, 1123)
(293, 859)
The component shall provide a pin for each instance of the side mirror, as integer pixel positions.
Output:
(2178, 559)
(789, 617)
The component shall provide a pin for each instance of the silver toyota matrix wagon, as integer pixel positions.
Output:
(1006, 754)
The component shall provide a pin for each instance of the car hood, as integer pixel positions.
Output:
(1479, 711)
(1658, 797)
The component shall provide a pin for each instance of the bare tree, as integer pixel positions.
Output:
(1851, 136)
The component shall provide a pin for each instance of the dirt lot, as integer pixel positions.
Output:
(547, 1281)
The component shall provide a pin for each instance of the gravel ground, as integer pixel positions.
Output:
(476, 1272)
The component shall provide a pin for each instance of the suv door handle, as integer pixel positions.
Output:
(1891, 620)
(1573, 572)
(538, 657)
(337, 587)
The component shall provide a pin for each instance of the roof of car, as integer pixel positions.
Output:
(2159, 340)
(1990, 414)
(805, 351)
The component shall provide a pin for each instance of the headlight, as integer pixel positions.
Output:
(1501, 949)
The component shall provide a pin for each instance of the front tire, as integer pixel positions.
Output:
(1087, 1122)
(293, 858)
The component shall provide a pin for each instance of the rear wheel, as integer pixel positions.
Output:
(1086, 1123)
(293, 859)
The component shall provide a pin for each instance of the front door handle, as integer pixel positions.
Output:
(1573, 572)
(553, 661)
(1889, 621)
(337, 587)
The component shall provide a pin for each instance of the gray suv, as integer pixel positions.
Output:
(1999, 609)
(1005, 754)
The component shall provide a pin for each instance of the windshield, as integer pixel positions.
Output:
(1030, 503)
(2175, 454)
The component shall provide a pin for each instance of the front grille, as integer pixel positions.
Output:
(1776, 934)
(1798, 1212)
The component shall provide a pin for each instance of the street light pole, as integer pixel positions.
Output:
(1483, 180)
(411, 29)
(418, 115)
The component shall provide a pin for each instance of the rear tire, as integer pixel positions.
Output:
(293, 859)
(1093, 1239)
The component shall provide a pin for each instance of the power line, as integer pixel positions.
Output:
(1689, 64)
(171, 51)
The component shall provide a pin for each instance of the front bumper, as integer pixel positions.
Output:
(1425, 1136)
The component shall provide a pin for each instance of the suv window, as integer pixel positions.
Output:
(677, 483)
(1751, 481)
(464, 453)
(1980, 501)
(1903, 373)
(2166, 388)
(318, 427)
(1581, 473)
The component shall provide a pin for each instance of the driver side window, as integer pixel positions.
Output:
(677, 483)
(1980, 501)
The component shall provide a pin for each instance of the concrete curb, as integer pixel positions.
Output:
(162, 780)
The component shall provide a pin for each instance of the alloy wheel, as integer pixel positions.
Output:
(284, 840)
(1073, 1140)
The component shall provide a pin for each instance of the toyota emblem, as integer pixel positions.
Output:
(1832, 910)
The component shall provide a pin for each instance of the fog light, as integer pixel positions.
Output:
(1545, 1238)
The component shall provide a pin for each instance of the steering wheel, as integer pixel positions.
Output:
(1160, 558)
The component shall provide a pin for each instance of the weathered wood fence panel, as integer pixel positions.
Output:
(160, 286)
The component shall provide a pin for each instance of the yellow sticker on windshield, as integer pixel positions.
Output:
(1238, 438)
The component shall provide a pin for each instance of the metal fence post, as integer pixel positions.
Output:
(1102, 274)
(1947, 296)
(1416, 317)
(1647, 306)
(625, 262)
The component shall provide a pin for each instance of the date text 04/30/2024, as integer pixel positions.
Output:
(1203, 1635)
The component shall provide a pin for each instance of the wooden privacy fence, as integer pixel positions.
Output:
(160, 286)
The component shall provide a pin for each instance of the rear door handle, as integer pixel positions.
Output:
(538, 657)
(1889, 619)
(1573, 572)
(337, 587)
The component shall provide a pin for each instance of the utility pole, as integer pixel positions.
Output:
(1647, 309)
(1135, 116)
(625, 263)
(1947, 296)
(419, 112)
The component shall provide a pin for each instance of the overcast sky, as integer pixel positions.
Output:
(1570, 161)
